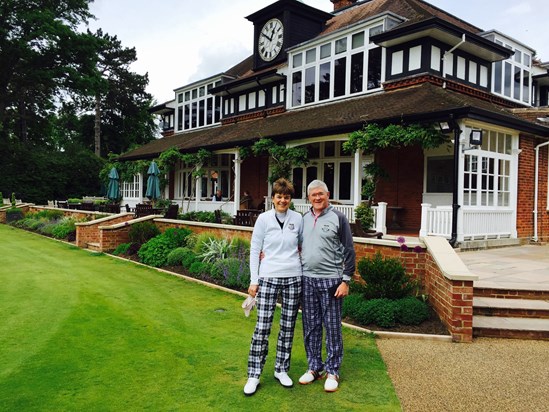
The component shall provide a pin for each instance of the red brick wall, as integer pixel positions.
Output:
(452, 301)
(526, 187)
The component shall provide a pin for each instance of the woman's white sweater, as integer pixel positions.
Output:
(280, 247)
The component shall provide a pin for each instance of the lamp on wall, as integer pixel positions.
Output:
(445, 127)
(475, 138)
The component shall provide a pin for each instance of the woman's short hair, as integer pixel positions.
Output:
(283, 187)
(317, 183)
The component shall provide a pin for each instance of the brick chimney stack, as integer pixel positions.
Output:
(339, 4)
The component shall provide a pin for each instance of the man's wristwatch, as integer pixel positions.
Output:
(347, 282)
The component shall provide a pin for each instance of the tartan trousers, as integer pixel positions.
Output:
(320, 309)
(269, 289)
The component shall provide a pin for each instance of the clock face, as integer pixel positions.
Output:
(270, 40)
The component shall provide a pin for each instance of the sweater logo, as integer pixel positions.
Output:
(291, 226)
(326, 228)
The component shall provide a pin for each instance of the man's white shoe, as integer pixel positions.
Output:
(310, 377)
(284, 379)
(251, 386)
(331, 384)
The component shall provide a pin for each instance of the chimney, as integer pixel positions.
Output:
(339, 4)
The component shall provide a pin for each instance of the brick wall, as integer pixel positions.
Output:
(451, 299)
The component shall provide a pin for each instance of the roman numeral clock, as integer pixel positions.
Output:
(270, 40)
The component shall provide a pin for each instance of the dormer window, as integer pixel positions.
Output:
(345, 65)
(197, 108)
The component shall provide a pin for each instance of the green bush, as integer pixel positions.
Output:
(352, 307)
(199, 268)
(64, 228)
(155, 251)
(176, 256)
(142, 232)
(384, 277)
(121, 249)
(200, 240)
(382, 312)
(47, 229)
(239, 248)
(411, 311)
(214, 249)
(13, 214)
(232, 272)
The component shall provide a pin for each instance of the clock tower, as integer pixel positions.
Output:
(281, 25)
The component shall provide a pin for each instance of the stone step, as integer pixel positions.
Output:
(504, 293)
(509, 327)
(94, 246)
(518, 308)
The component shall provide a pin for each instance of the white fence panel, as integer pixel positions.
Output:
(486, 224)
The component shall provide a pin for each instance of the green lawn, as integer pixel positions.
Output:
(82, 332)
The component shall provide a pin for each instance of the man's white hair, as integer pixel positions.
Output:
(317, 183)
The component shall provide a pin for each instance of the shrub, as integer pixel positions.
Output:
(121, 249)
(214, 249)
(13, 214)
(199, 241)
(384, 277)
(352, 305)
(411, 311)
(232, 272)
(176, 256)
(239, 248)
(64, 228)
(47, 229)
(382, 312)
(199, 268)
(155, 251)
(142, 232)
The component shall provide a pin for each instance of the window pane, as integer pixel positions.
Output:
(209, 111)
(187, 96)
(440, 172)
(296, 89)
(313, 150)
(358, 40)
(310, 56)
(217, 108)
(324, 81)
(374, 68)
(179, 118)
(298, 60)
(345, 181)
(325, 50)
(180, 98)
(357, 72)
(526, 86)
(329, 176)
(312, 174)
(187, 116)
(339, 76)
(310, 84)
(516, 83)
(329, 149)
(297, 178)
(507, 79)
(201, 113)
(341, 45)
(498, 75)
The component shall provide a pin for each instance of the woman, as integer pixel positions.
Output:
(276, 237)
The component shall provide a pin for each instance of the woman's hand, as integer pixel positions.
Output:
(252, 290)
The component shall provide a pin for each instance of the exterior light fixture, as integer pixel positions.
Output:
(475, 138)
(445, 127)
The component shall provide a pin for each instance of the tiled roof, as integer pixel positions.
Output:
(423, 101)
(413, 10)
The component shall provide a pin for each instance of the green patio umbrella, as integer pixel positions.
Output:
(113, 190)
(153, 182)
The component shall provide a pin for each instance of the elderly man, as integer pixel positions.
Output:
(328, 259)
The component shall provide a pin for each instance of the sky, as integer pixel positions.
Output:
(182, 41)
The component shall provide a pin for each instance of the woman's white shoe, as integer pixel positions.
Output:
(251, 386)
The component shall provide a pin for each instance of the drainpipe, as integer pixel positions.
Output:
(455, 205)
(536, 194)
(444, 59)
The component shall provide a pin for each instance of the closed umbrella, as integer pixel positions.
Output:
(153, 182)
(113, 190)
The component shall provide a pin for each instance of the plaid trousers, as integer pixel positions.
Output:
(269, 289)
(320, 309)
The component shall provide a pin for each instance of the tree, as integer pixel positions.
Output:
(283, 158)
(35, 61)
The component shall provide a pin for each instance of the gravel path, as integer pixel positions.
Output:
(486, 375)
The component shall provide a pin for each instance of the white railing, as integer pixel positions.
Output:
(436, 221)
(488, 224)
(204, 206)
(474, 224)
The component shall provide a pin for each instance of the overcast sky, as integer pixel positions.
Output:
(181, 41)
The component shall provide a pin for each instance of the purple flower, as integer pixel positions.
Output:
(418, 249)
(401, 240)
(404, 248)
